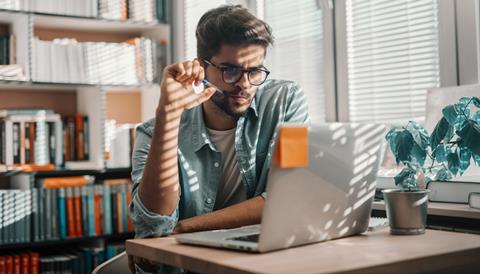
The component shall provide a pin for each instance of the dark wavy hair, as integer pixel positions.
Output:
(231, 25)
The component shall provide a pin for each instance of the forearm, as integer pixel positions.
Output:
(159, 188)
(248, 212)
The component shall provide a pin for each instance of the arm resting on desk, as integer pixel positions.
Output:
(245, 213)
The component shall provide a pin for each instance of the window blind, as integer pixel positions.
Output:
(193, 11)
(298, 51)
(392, 58)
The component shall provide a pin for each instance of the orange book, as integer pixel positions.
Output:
(34, 263)
(78, 211)
(98, 211)
(79, 132)
(71, 231)
(25, 263)
(62, 182)
(32, 133)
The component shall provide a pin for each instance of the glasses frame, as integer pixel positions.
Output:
(248, 71)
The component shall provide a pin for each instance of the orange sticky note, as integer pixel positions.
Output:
(292, 147)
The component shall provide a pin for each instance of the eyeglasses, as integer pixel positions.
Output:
(232, 74)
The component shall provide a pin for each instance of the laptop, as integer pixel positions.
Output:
(330, 198)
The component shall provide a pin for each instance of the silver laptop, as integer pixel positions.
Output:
(329, 199)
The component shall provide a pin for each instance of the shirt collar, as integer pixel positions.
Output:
(200, 136)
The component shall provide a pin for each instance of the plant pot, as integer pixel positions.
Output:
(406, 210)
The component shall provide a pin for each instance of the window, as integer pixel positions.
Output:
(299, 51)
(392, 58)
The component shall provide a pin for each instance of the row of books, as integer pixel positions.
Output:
(87, 8)
(135, 10)
(69, 61)
(80, 260)
(40, 137)
(139, 10)
(119, 141)
(63, 208)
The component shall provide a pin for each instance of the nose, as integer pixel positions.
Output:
(243, 83)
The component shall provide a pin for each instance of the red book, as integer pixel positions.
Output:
(98, 212)
(78, 212)
(129, 219)
(25, 263)
(9, 264)
(34, 263)
(17, 264)
(3, 265)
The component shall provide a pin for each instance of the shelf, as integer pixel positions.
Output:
(66, 86)
(50, 20)
(70, 241)
(111, 173)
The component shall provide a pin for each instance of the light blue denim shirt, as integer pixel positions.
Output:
(275, 102)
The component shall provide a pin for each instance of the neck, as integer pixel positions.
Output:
(215, 118)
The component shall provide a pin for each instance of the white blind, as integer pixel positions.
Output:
(392, 53)
(193, 11)
(298, 51)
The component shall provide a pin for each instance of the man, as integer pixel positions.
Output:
(202, 162)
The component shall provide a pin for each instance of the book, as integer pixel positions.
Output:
(474, 200)
(451, 192)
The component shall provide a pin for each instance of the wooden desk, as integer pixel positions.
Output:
(372, 252)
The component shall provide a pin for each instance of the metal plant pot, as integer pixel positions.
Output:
(406, 211)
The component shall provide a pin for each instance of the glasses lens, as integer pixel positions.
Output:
(257, 76)
(232, 75)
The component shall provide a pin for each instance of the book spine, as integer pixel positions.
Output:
(17, 264)
(16, 143)
(27, 143)
(130, 226)
(52, 142)
(41, 213)
(3, 267)
(28, 216)
(48, 213)
(124, 208)
(78, 212)
(107, 210)
(86, 138)
(9, 264)
(62, 213)
(98, 210)
(3, 145)
(114, 211)
(35, 216)
(79, 134)
(22, 142)
(119, 206)
(54, 213)
(91, 211)
(70, 213)
(84, 198)
(32, 135)
(35, 263)
(25, 263)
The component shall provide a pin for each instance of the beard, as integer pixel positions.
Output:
(223, 103)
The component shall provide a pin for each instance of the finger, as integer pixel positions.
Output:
(194, 101)
(179, 71)
(195, 69)
(188, 65)
(201, 76)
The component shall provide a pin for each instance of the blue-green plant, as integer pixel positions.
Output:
(446, 153)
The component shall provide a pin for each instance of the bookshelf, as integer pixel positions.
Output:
(89, 98)
(102, 99)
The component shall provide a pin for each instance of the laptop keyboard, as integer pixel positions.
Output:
(248, 238)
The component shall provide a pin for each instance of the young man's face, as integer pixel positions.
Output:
(239, 95)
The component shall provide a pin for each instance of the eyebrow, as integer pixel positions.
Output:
(237, 66)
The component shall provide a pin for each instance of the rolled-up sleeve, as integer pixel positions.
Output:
(146, 222)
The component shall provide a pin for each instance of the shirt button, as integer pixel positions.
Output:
(216, 164)
(209, 200)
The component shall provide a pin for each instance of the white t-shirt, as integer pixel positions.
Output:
(231, 189)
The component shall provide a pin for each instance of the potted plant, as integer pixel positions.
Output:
(447, 152)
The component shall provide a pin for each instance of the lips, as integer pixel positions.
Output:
(239, 99)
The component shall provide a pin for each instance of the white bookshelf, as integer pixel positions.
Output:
(90, 98)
